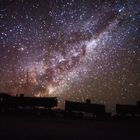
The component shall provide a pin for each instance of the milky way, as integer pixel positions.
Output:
(71, 49)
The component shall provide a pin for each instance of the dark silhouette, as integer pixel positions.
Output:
(138, 103)
(8, 102)
(44, 105)
(128, 110)
(97, 110)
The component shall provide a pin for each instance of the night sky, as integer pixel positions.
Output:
(72, 49)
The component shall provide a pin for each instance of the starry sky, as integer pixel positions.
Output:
(72, 49)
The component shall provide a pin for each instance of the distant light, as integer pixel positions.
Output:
(22, 49)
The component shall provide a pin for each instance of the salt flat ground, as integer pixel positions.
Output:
(36, 128)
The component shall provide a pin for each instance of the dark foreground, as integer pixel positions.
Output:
(36, 128)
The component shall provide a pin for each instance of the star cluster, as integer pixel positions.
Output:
(72, 49)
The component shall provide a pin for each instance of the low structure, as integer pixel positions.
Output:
(128, 110)
(8, 102)
(98, 110)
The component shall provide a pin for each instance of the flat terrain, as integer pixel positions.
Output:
(36, 128)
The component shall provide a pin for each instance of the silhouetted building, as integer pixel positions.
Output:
(138, 103)
(8, 102)
(98, 110)
(126, 110)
